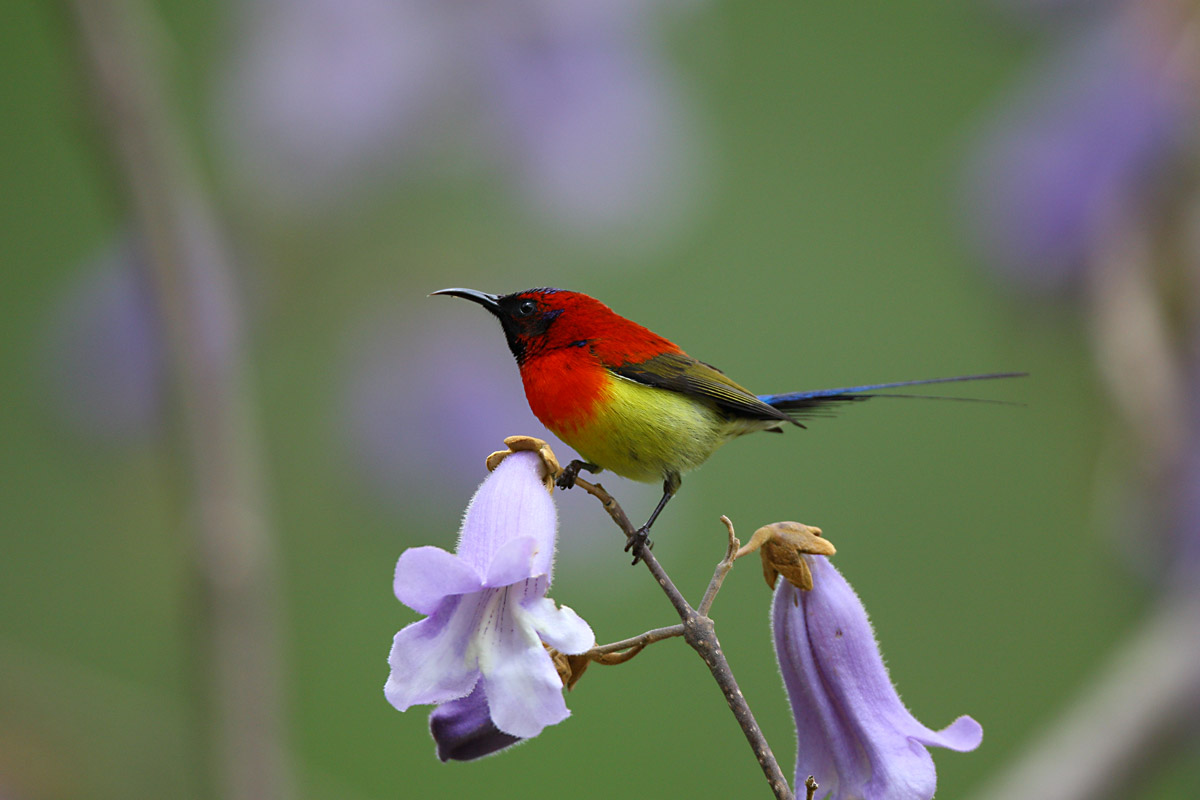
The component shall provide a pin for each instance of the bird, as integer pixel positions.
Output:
(633, 402)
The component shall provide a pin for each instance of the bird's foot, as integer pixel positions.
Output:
(566, 478)
(636, 541)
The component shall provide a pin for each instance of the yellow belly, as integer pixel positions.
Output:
(645, 434)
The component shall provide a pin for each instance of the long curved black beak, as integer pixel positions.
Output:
(489, 301)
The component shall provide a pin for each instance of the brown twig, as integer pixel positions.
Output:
(722, 570)
(628, 648)
(699, 633)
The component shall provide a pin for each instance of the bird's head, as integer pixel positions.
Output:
(536, 321)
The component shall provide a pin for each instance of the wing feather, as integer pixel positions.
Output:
(679, 372)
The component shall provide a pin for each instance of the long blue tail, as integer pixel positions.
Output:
(810, 404)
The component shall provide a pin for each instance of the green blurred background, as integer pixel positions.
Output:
(820, 247)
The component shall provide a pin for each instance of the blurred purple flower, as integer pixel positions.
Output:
(488, 615)
(321, 93)
(854, 734)
(105, 347)
(1079, 144)
(568, 97)
(420, 394)
(591, 116)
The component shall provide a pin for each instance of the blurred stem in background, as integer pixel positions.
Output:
(1112, 226)
(236, 661)
(1133, 717)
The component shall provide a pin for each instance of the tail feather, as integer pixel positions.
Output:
(822, 402)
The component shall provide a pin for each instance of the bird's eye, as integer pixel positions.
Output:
(526, 308)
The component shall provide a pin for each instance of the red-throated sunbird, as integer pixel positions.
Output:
(629, 400)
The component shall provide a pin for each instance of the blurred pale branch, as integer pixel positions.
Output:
(1134, 351)
(1100, 746)
(234, 555)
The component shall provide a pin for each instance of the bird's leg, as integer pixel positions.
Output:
(566, 478)
(641, 537)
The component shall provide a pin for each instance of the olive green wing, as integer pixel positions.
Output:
(679, 372)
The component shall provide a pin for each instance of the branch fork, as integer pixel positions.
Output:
(781, 545)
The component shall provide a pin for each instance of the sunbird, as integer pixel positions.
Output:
(630, 401)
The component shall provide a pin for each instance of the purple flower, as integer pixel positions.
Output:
(1076, 149)
(412, 443)
(595, 128)
(464, 731)
(569, 100)
(322, 94)
(855, 736)
(105, 347)
(488, 618)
